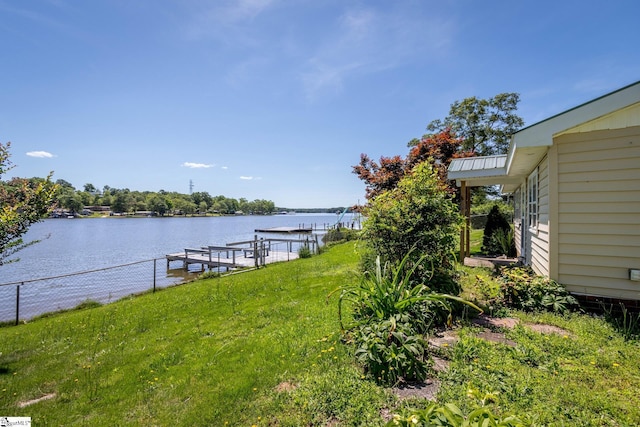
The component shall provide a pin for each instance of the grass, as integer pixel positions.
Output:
(208, 353)
(588, 376)
(475, 241)
(264, 348)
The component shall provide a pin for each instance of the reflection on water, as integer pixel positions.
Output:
(77, 245)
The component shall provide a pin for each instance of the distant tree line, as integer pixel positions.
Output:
(161, 203)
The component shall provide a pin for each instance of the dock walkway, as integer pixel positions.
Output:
(251, 253)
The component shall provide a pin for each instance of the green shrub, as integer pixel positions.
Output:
(497, 222)
(337, 235)
(521, 288)
(389, 291)
(418, 217)
(304, 252)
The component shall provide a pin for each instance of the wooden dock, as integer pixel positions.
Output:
(285, 230)
(253, 253)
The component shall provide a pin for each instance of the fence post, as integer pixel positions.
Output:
(18, 304)
(255, 250)
(154, 275)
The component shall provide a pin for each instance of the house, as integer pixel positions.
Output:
(575, 182)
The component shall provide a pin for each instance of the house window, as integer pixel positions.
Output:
(532, 199)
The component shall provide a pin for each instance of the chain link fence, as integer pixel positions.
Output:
(24, 300)
(30, 298)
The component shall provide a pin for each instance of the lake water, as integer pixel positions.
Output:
(76, 245)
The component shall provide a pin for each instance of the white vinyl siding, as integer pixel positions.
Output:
(532, 200)
(599, 211)
(538, 249)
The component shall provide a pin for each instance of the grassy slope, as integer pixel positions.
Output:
(216, 352)
(202, 354)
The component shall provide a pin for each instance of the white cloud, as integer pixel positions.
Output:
(40, 154)
(196, 165)
(370, 40)
(226, 20)
(246, 178)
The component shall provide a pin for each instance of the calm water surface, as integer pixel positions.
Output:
(75, 245)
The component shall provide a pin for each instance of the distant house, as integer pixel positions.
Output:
(575, 181)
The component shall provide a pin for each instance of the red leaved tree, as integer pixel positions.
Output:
(439, 149)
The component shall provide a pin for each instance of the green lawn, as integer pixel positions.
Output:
(263, 348)
(207, 353)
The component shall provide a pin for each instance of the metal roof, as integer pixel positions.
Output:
(476, 164)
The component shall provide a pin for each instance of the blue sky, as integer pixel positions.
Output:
(277, 99)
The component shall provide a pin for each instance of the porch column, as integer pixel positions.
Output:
(465, 210)
(467, 220)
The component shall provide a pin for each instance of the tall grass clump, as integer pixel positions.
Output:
(623, 319)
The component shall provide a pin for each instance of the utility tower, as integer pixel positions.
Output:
(190, 186)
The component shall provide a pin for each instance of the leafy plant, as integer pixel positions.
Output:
(390, 291)
(387, 332)
(391, 350)
(523, 289)
(449, 415)
(503, 242)
(209, 275)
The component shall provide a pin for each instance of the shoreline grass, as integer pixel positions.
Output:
(206, 353)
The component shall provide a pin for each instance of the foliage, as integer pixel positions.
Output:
(521, 288)
(498, 223)
(416, 217)
(388, 334)
(503, 242)
(624, 320)
(211, 274)
(161, 203)
(483, 125)
(387, 292)
(340, 234)
(482, 206)
(23, 202)
(304, 251)
(449, 415)
(437, 149)
(391, 350)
